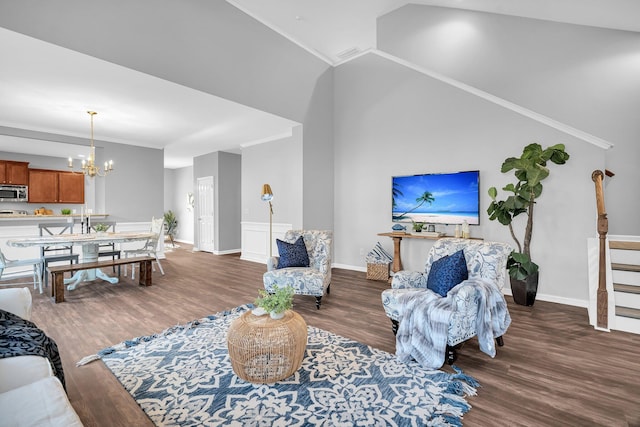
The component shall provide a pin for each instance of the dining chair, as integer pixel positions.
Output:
(36, 263)
(55, 253)
(150, 247)
(107, 249)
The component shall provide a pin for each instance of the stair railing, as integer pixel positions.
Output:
(602, 315)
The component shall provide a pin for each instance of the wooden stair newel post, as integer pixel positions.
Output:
(603, 227)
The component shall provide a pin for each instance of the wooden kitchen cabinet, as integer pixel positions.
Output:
(50, 186)
(14, 173)
(70, 187)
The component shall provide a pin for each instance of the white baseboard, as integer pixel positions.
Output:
(227, 252)
(188, 242)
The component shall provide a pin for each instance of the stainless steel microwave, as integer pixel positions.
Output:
(14, 193)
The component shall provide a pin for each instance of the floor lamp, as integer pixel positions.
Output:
(267, 196)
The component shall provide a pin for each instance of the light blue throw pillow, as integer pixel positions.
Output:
(447, 272)
(292, 254)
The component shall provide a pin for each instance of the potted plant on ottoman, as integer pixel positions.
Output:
(530, 170)
(276, 303)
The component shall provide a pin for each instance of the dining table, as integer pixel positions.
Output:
(90, 243)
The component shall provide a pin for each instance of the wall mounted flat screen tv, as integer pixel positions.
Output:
(437, 198)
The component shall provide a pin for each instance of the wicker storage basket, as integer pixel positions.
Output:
(264, 350)
(378, 271)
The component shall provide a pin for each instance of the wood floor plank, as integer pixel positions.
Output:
(554, 369)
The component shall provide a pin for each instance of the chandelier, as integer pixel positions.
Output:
(89, 166)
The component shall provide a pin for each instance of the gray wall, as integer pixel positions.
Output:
(134, 191)
(177, 184)
(278, 164)
(225, 168)
(586, 77)
(390, 120)
(228, 187)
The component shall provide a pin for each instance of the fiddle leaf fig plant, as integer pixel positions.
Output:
(530, 170)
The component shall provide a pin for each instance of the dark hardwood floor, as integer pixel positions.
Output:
(553, 370)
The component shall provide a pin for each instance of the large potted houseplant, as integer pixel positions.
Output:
(530, 170)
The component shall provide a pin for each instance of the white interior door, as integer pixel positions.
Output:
(205, 214)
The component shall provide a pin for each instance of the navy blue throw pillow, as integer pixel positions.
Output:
(292, 254)
(447, 272)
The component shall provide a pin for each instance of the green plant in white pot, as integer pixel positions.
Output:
(275, 303)
(101, 228)
(530, 170)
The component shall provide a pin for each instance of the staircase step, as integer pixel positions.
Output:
(630, 289)
(625, 267)
(634, 313)
(632, 246)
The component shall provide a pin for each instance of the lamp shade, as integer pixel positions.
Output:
(267, 194)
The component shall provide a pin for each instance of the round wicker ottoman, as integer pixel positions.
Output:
(264, 350)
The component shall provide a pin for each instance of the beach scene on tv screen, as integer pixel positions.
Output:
(444, 198)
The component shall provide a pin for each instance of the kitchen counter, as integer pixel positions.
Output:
(58, 217)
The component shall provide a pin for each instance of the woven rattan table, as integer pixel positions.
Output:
(265, 350)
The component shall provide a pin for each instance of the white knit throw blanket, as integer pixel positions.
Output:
(423, 331)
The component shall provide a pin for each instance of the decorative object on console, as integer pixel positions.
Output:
(89, 166)
(465, 230)
(267, 196)
(530, 170)
(398, 229)
(417, 226)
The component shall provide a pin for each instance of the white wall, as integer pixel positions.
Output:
(390, 120)
(586, 77)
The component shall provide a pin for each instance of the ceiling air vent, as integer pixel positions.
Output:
(348, 53)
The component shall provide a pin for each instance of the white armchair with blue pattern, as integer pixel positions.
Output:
(314, 280)
(485, 261)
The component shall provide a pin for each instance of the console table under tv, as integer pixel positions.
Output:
(397, 238)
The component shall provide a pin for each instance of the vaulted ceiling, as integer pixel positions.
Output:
(47, 88)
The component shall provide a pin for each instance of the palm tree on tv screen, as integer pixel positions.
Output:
(395, 192)
(426, 197)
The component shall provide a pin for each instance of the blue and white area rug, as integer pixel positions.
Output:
(183, 377)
